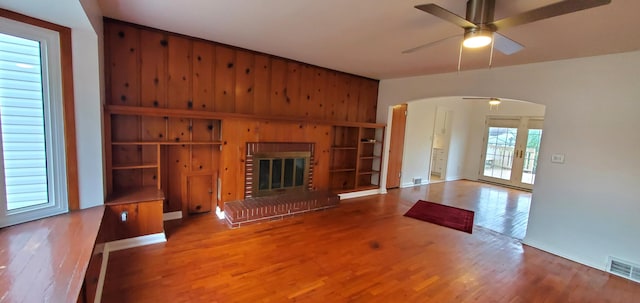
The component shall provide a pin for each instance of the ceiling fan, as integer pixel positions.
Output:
(480, 29)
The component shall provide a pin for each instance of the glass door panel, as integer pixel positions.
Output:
(499, 155)
(531, 154)
(512, 147)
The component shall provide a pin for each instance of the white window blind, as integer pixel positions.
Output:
(32, 159)
(22, 122)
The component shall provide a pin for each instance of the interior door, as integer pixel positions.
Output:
(512, 146)
(396, 145)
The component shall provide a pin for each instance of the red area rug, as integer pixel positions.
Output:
(452, 217)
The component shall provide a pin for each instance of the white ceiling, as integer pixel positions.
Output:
(366, 37)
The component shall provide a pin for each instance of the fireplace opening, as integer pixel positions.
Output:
(274, 168)
(280, 172)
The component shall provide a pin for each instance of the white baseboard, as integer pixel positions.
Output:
(103, 273)
(220, 213)
(135, 242)
(106, 248)
(405, 185)
(357, 194)
(174, 215)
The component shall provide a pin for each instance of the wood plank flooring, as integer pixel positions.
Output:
(362, 251)
(45, 260)
(497, 208)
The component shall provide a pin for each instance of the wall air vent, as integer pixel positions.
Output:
(417, 181)
(624, 269)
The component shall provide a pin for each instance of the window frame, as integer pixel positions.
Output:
(63, 120)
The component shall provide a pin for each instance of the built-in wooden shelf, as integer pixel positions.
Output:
(143, 194)
(369, 157)
(122, 167)
(359, 146)
(342, 170)
(169, 143)
(371, 172)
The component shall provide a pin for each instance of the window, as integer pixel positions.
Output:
(33, 178)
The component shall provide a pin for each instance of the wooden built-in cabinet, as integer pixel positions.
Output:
(132, 214)
(160, 149)
(356, 158)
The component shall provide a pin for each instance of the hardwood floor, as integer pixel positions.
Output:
(362, 251)
(500, 209)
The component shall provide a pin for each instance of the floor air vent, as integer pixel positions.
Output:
(624, 269)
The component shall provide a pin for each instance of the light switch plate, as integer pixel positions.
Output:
(557, 158)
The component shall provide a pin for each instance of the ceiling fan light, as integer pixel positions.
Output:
(494, 102)
(477, 38)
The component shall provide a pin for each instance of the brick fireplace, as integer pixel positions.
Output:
(278, 184)
(273, 168)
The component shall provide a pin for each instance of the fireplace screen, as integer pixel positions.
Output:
(280, 172)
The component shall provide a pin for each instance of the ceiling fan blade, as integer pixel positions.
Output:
(506, 45)
(444, 14)
(430, 44)
(552, 10)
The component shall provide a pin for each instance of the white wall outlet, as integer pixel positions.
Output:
(557, 158)
(123, 216)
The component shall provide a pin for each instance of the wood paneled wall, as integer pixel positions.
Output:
(153, 68)
(156, 69)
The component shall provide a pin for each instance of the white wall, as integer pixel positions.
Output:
(585, 209)
(419, 138)
(86, 81)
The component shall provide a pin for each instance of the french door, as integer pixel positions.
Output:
(512, 148)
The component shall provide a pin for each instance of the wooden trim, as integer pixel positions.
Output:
(159, 168)
(107, 149)
(71, 152)
(66, 67)
(185, 113)
(33, 21)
